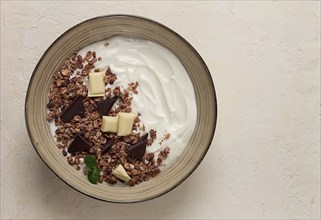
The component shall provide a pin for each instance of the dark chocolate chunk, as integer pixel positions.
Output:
(105, 106)
(109, 72)
(76, 107)
(107, 146)
(79, 144)
(145, 136)
(138, 150)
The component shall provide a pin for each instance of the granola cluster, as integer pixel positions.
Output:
(70, 82)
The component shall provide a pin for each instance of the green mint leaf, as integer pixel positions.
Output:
(94, 176)
(90, 169)
(93, 171)
(90, 161)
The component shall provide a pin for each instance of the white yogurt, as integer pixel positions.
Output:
(165, 96)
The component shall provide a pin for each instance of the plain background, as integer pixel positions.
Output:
(264, 161)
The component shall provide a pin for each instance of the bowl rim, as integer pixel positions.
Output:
(181, 38)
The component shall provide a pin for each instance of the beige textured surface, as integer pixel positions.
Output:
(265, 159)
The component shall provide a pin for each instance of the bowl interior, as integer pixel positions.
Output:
(98, 29)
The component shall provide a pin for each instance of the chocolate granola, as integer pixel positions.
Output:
(78, 130)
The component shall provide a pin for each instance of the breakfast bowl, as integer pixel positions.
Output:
(119, 30)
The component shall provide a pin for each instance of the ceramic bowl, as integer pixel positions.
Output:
(101, 28)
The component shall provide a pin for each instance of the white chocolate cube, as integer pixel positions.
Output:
(96, 84)
(110, 124)
(125, 123)
(120, 172)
